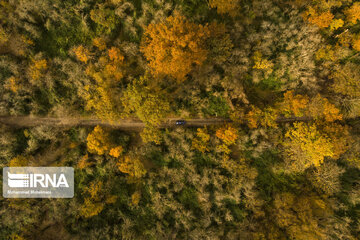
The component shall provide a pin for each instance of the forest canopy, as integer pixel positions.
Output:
(184, 119)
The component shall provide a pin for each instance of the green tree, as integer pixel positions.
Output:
(149, 105)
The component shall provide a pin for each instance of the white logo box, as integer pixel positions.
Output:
(38, 182)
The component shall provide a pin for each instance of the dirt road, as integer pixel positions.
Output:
(126, 124)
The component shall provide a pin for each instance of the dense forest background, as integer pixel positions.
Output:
(285, 75)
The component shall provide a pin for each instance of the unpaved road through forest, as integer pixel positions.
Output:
(125, 124)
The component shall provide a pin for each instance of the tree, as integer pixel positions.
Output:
(318, 18)
(346, 80)
(326, 178)
(4, 36)
(135, 198)
(148, 104)
(92, 203)
(151, 133)
(219, 43)
(321, 109)
(101, 96)
(99, 43)
(260, 63)
(173, 46)
(105, 17)
(356, 42)
(19, 161)
(84, 162)
(317, 107)
(294, 105)
(353, 13)
(12, 83)
(201, 141)
(339, 135)
(81, 53)
(300, 216)
(306, 146)
(98, 141)
(37, 69)
(132, 166)
(227, 134)
(230, 7)
(266, 118)
(96, 196)
(100, 100)
(116, 151)
(252, 117)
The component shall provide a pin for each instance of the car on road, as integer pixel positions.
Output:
(180, 122)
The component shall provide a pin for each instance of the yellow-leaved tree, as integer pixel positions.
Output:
(201, 141)
(106, 73)
(131, 166)
(37, 69)
(300, 217)
(98, 141)
(306, 146)
(266, 118)
(95, 198)
(230, 7)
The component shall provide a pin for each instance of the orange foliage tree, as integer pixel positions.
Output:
(293, 105)
(353, 13)
(116, 151)
(227, 134)
(321, 109)
(173, 46)
(230, 7)
(82, 54)
(320, 19)
(12, 84)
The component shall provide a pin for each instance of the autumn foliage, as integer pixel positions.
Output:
(173, 46)
(353, 13)
(98, 141)
(131, 166)
(82, 54)
(201, 141)
(227, 134)
(306, 146)
(225, 6)
(320, 19)
(37, 69)
(106, 73)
